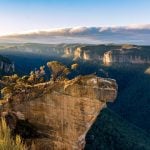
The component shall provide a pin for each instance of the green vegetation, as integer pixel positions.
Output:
(14, 83)
(111, 132)
(132, 102)
(4, 59)
(133, 98)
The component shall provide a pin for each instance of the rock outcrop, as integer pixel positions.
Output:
(104, 54)
(110, 54)
(124, 56)
(62, 111)
(6, 65)
(77, 53)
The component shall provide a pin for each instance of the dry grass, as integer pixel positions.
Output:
(7, 142)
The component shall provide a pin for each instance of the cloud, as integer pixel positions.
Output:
(78, 29)
(133, 34)
(135, 26)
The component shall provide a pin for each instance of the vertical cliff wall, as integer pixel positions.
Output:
(107, 58)
(6, 65)
(117, 56)
(109, 54)
(62, 111)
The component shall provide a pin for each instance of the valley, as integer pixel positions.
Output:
(124, 63)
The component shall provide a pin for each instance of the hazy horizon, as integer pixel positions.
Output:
(80, 21)
(132, 34)
(27, 15)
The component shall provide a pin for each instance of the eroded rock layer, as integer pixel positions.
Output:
(62, 111)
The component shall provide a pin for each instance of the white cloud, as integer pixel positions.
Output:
(102, 29)
(135, 26)
(133, 34)
(78, 29)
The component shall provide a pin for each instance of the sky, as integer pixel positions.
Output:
(18, 16)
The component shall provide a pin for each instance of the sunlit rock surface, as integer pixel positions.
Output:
(109, 55)
(62, 111)
(120, 56)
(107, 58)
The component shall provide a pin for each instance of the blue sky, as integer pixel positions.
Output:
(26, 15)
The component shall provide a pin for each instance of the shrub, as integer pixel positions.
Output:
(58, 70)
(7, 142)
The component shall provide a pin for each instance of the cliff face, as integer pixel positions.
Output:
(68, 52)
(120, 56)
(107, 58)
(77, 53)
(62, 111)
(106, 54)
(5, 65)
(109, 54)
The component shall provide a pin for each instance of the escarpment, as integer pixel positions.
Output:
(125, 56)
(6, 65)
(107, 54)
(62, 111)
(111, 54)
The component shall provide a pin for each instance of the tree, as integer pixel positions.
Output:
(37, 76)
(7, 92)
(10, 79)
(25, 79)
(58, 70)
(32, 77)
(40, 73)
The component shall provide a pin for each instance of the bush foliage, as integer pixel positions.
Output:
(7, 142)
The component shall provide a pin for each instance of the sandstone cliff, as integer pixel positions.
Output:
(63, 111)
(6, 65)
(106, 54)
(79, 53)
(109, 54)
(125, 56)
